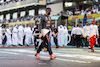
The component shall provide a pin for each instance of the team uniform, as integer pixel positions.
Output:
(45, 27)
(86, 34)
(72, 34)
(55, 38)
(93, 32)
(99, 37)
(45, 24)
(78, 33)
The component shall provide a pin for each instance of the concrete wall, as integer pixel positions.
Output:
(56, 8)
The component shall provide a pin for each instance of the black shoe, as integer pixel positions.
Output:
(14, 45)
(27, 45)
(20, 45)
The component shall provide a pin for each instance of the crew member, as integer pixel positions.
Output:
(45, 27)
(93, 32)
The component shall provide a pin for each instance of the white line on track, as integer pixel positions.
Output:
(10, 53)
(57, 54)
(77, 61)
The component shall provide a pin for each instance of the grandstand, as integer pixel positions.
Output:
(28, 10)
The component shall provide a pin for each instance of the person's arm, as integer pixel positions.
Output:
(97, 32)
(74, 33)
(88, 31)
(82, 32)
(51, 27)
(57, 32)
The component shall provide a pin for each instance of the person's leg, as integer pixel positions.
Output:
(56, 42)
(22, 40)
(91, 43)
(94, 40)
(79, 40)
(99, 41)
(87, 43)
(40, 47)
(73, 40)
(76, 40)
(49, 47)
(35, 42)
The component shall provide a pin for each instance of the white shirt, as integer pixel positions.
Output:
(89, 12)
(15, 30)
(8, 31)
(73, 31)
(78, 31)
(93, 30)
(86, 31)
(70, 13)
(28, 32)
(94, 10)
(82, 12)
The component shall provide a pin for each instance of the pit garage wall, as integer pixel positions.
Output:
(56, 8)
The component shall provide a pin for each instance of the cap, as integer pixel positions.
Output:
(93, 21)
(48, 9)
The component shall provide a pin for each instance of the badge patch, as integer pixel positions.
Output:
(48, 22)
(92, 27)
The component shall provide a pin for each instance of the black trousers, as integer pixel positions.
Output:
(99, 41)
(56, 41)
(36, 42)
(86, 42)
(46, 40)
(24, 40)
(78, 41)
(73, 40)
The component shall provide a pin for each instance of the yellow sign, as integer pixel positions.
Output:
(24, 22)
(81, 17)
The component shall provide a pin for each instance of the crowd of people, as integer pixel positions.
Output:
(15, 36)
(19, 35)
(9, 2)
(87, 36)
(20, 19)
(61, 31)
(90, 10)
